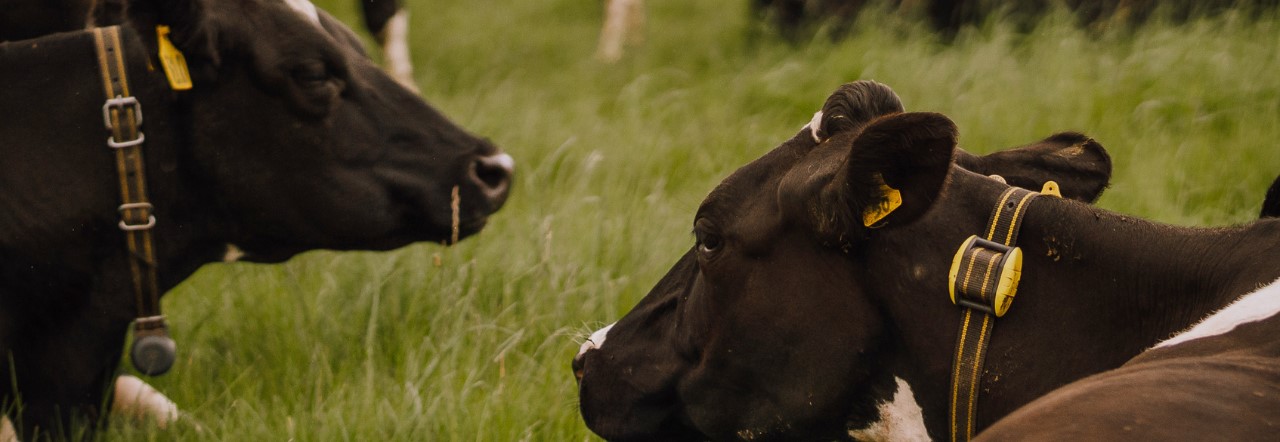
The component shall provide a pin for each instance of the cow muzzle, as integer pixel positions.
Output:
(492, 176)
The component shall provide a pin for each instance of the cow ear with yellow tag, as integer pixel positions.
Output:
(185, 43)
(892, 199)
(896, 167)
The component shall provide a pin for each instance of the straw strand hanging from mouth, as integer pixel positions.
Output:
(455, 203)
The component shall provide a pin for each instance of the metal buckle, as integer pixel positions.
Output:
(111, 142)
(151, 219)
(121, 103)
(149, 323)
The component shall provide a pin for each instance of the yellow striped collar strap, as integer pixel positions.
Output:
(983, 281)
(153, 352)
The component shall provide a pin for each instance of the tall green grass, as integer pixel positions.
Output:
(612, 161)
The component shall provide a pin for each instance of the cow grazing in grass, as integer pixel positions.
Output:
(290, 140)
(789, 318)
(1218, 381)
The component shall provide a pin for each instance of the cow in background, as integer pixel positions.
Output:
(386, 20)
(265, 157)
(815, 293)
(796, 19)
(623, 25)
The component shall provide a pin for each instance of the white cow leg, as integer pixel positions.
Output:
(133, 399)
(613, 31)
(142, 403)
(7, 433)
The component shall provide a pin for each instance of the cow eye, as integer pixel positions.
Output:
(709, 243)
(707, 240)
(312, 74)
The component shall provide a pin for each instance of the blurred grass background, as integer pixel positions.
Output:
(612, 161)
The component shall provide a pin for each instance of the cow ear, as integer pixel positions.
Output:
(895, 169)
(1080, 166)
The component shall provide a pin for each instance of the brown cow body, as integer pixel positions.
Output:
(1218, 381)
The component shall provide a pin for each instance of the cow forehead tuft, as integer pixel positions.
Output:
(306, 8)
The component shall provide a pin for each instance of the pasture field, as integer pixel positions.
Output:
(473, 342)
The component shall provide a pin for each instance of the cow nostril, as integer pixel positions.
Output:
(494, 173)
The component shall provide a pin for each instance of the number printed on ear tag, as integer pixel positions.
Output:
(892, 200)
(171, 59)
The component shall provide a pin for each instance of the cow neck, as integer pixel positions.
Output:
(1096, 289)
(983, 280)
(152, 352)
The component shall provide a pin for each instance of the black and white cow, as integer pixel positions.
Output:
(790, 319)
(386, 20)
(1220, 380)
(290, 140)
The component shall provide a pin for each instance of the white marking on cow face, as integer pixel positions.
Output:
(596, 340)
(232, 254)
(901, 419)
(1261, 304)
(305, 8)
(814, 125)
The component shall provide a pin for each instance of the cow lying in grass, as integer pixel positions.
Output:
(1218, 381)
(803, 308)
(290, 140)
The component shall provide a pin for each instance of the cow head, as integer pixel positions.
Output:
(774, 325)
(302, 142)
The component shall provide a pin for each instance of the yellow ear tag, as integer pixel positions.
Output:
(1051, 188)
(892, 200)
(171, 59)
